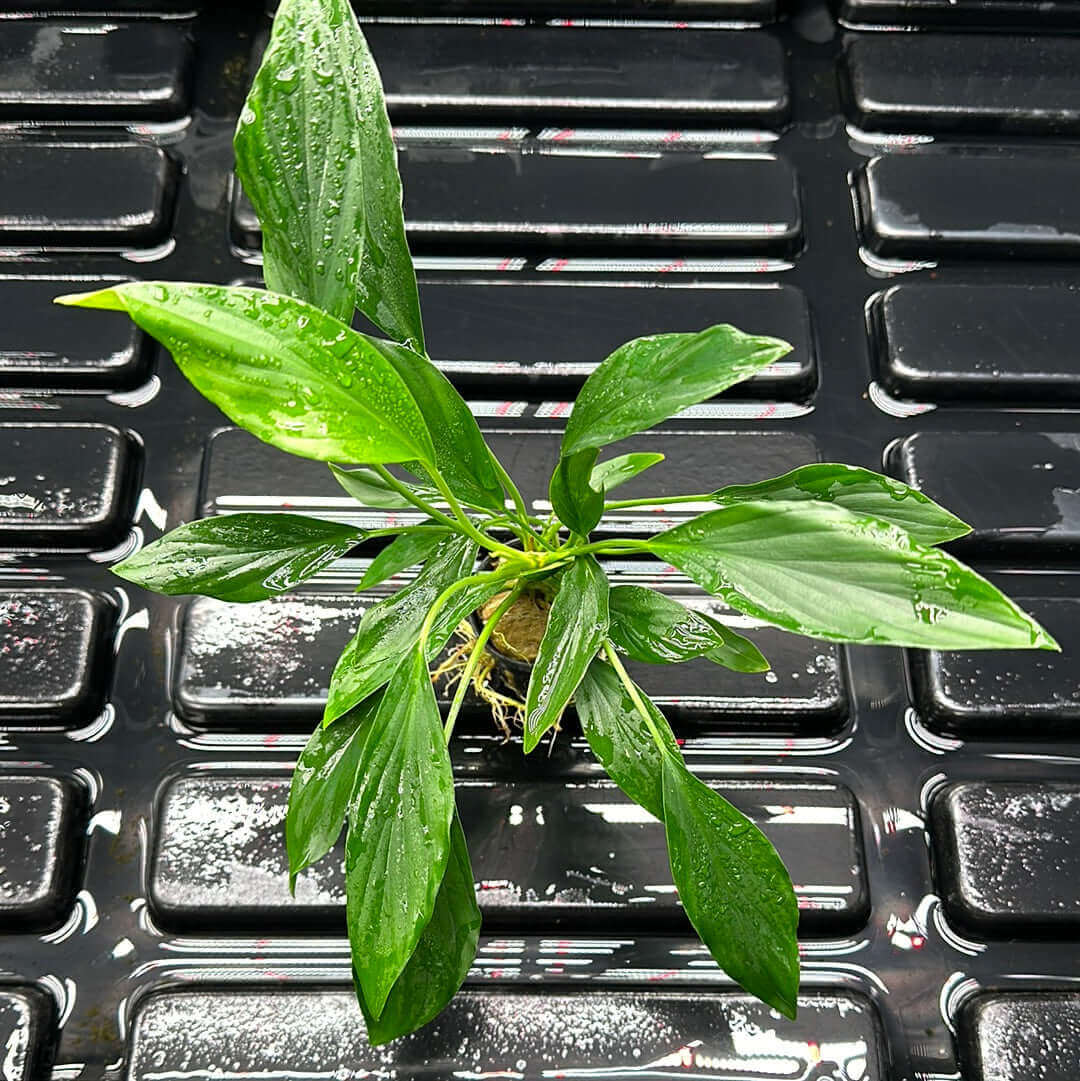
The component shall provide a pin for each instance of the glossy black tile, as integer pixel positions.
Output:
(41, 819)
(48, 346)
(964, 83)
(54, 657)
(570, 855)
(1016, 489)
(937, 342)
(967, 203)
(84, 194)
(67, 70)
(962, 14)
(26, 1032)
(1007, 856)
(509, 199)
(1003, 1034)
(530, 1035)
(65, 485)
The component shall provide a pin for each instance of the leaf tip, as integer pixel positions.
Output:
(99, 298)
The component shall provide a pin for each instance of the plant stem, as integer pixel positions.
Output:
(494, 577)
(660, 501)
(475, 655)
(635, 696)
(613, 546)
(512, 488)
(413, 498)
(464, 521)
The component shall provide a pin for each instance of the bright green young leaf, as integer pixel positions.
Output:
(370, 490)
(577, 625)
(733, 887)
(399, 830)
(819, 570)
(461, 454)
(389, 629)
(650, 379)
(616, 471)
(651, 627)
(404, 551)
(322, 784)
(299, 148)
(239, 557)
(859, 491)
(287, 372)
(620, 738)
(443, 956)
(577, 504)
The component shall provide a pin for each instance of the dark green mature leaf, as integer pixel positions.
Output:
(399, 830)
(461, 454)
(387, 290)
(618, 470)
(859, 491)
(284, 370)
(404, 551)
(299, 153)
(443, 955)
(817, 569)
(649, 379)
(734, 887)
(577, 625)
(651, 627)
(322, 784)
(577, 504)
(239, 557)
(370, 490)
(620, 738)
(389, 629)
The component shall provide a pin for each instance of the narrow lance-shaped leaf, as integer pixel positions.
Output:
(651, 627)
(387, 292)
(733, 886)
(322, 784)
(859, 491)
(370, 490)
(577, 624)
(650, 379)
(404, 551)
(442, 958)
(299, 154)
(616, 471)
(819, 570)
(461, 455)
(284, 370)
(399, 830)
(389, 629)
(239, 557)
(577, 504)
(620, 738)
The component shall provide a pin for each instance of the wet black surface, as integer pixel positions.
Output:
(25, 1020)
(142, 984)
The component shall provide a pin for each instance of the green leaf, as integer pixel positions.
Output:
(651, 627)
(461, 455)
(389, 629)
(322, 784)
(577, 504)
(859, 491)
(387, 288)
(649, 379)
(299, 145)
(577, 625)
(399, 830)
(616, 471)
(239, 557)
(817, 569)
(442, 958)
(733, 886)
(370, 490)
(620, 738)
(404, 551)
(287, 372)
